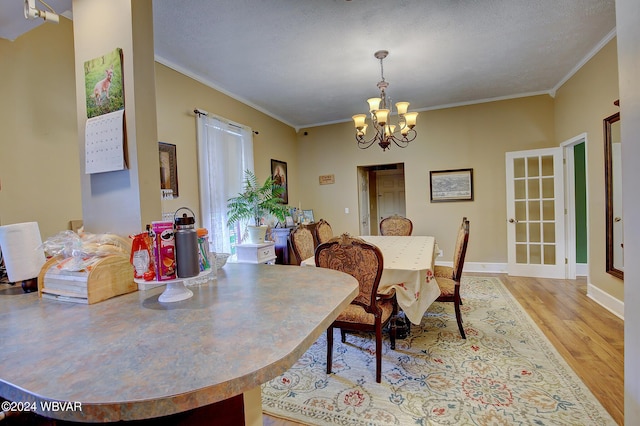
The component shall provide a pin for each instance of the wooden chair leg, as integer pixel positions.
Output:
(392, 332)
(459, 318)
(378, 351)
(343, 333)
(329, 349)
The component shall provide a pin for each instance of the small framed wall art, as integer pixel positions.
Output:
(279, 176)
(168, 168)
(307, 216)
(451, 185)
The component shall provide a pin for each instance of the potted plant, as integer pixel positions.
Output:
(255, 202)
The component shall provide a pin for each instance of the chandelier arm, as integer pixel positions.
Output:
(403, 142)
(364, 144)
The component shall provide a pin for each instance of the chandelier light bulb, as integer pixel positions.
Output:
(402, 107)
(410, 119)
(382, 115)
(374, 104)
(359, 120)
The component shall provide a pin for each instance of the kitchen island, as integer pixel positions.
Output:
(133, 357)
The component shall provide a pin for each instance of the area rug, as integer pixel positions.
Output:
(505, 373)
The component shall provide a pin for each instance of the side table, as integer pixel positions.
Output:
(281, 239)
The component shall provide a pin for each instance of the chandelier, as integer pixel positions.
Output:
(380, 110)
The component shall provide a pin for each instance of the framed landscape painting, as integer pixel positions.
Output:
(451, 185)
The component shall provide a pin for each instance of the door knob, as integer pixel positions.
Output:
(512, 220)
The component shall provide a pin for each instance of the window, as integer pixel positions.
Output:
(225, 151)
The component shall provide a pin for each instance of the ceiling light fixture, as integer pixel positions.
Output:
(30, 12)
(380, 110)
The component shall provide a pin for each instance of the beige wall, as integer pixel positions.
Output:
(177, 97)
(581, 105)
(476, 136)
(39, 164)
(39, 160)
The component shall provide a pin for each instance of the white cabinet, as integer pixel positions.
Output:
(256, 253)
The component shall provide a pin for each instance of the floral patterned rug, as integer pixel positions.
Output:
(505, 373)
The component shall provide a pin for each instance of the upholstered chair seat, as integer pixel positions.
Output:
(441, 271)
(356, 314)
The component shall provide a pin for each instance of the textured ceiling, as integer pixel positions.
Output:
(310, 62)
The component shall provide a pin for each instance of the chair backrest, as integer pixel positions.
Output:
(358, 258)
(396, 225)
(323, 231)
(302, 243)
(460, 249)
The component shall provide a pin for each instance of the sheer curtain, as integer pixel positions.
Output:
(225, 151)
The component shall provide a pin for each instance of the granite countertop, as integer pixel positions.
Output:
(132, 357)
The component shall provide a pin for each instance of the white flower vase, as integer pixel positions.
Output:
(256, 234)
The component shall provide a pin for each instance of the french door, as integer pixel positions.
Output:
(535, 213)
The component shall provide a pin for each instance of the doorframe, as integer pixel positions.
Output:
(570, 201)
(373, 191)
(364, 210)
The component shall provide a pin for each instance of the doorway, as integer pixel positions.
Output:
(381, 194)
(576, 194)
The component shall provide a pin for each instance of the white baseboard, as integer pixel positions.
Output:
(489, 268)
(607, 301)
(582, 269)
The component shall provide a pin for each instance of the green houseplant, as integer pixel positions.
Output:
(255, 202)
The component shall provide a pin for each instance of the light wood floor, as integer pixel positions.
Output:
(590, 338)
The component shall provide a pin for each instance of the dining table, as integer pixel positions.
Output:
(408, 264)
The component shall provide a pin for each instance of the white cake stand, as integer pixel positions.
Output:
(174, 292)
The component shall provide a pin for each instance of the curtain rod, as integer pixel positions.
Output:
(199, 112)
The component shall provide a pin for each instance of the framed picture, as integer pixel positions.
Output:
(307, 216)
(289, 223)
(104, 84)
(279, 175)
(168, 168)
(451, 185)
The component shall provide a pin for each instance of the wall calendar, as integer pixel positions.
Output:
(104, 143)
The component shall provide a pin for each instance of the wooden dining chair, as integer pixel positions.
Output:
(323, 231)
(448, 278)
(367, 312)
(444, 271)
(302, 243)
(396, 225)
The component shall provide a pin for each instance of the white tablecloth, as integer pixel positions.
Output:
(408, 269)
